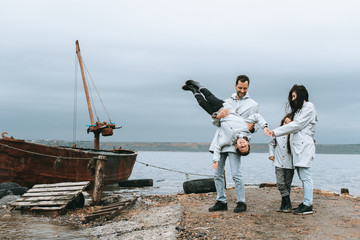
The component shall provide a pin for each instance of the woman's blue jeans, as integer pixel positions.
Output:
(307, 184)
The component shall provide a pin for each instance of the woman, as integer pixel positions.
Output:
(302, 130)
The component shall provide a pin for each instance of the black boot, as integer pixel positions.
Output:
(287, 204)
(240, 207)
(219, 206)
(196, 84)
(281, 208)
(190, 88)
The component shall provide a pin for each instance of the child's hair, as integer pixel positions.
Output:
(244, 153)
(290, 116)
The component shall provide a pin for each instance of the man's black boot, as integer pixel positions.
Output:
(196, 84)
(219, 206)
(287, 204)
(240, 207)
(190, 88)
(281, 208)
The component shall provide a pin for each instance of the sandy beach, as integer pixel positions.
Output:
(186, 216)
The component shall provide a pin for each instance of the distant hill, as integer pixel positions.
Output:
(195, 147)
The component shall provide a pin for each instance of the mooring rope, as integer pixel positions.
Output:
(172, 170)
(41, 154)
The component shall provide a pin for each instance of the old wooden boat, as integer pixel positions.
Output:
(29, 163)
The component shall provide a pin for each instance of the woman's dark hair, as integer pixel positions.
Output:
(301, 96)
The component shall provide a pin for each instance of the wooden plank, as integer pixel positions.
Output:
(49, 194)
(117, 212)
(109, 214)
(57, 189)
(47, 208)
(62, 184)
(107, 210)
(41, 203)
(116, 204)
(51, 198)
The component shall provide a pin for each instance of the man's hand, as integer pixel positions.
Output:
(215, 165)
(251, 126)
(272, 158)
(223, 113)
(267, 132)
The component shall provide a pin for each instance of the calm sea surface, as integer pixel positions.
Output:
(330, 172)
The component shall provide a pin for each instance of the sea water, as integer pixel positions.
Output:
(330, 172)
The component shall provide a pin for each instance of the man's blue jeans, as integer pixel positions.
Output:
(307, 184)
(235, 162)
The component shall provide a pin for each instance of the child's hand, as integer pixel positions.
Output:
(215, 165)
(223, 113)
(272, 158)
(267, 131)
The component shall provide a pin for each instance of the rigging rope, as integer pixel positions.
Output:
(172, 170)
(93, 83)
(90, 90)
(41, 154)
(75, 101)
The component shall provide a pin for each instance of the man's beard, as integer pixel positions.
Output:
(240, 95)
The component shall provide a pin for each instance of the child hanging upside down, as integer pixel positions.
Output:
(233, 129)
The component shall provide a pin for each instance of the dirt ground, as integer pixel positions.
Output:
(186, 216)
(335, 217)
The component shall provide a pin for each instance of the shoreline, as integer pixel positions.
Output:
(186, 216)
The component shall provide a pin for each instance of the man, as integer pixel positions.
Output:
(244, 107)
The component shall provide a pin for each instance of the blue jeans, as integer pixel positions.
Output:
(307, 184)
(235, 162)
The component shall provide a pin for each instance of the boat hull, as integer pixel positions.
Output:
(30, 163)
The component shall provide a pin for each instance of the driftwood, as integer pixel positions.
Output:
(109, 211)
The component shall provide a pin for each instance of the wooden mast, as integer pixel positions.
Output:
(106, 129)
(96, 133)
(84, 82)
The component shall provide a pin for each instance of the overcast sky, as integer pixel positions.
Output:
(139, 53)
